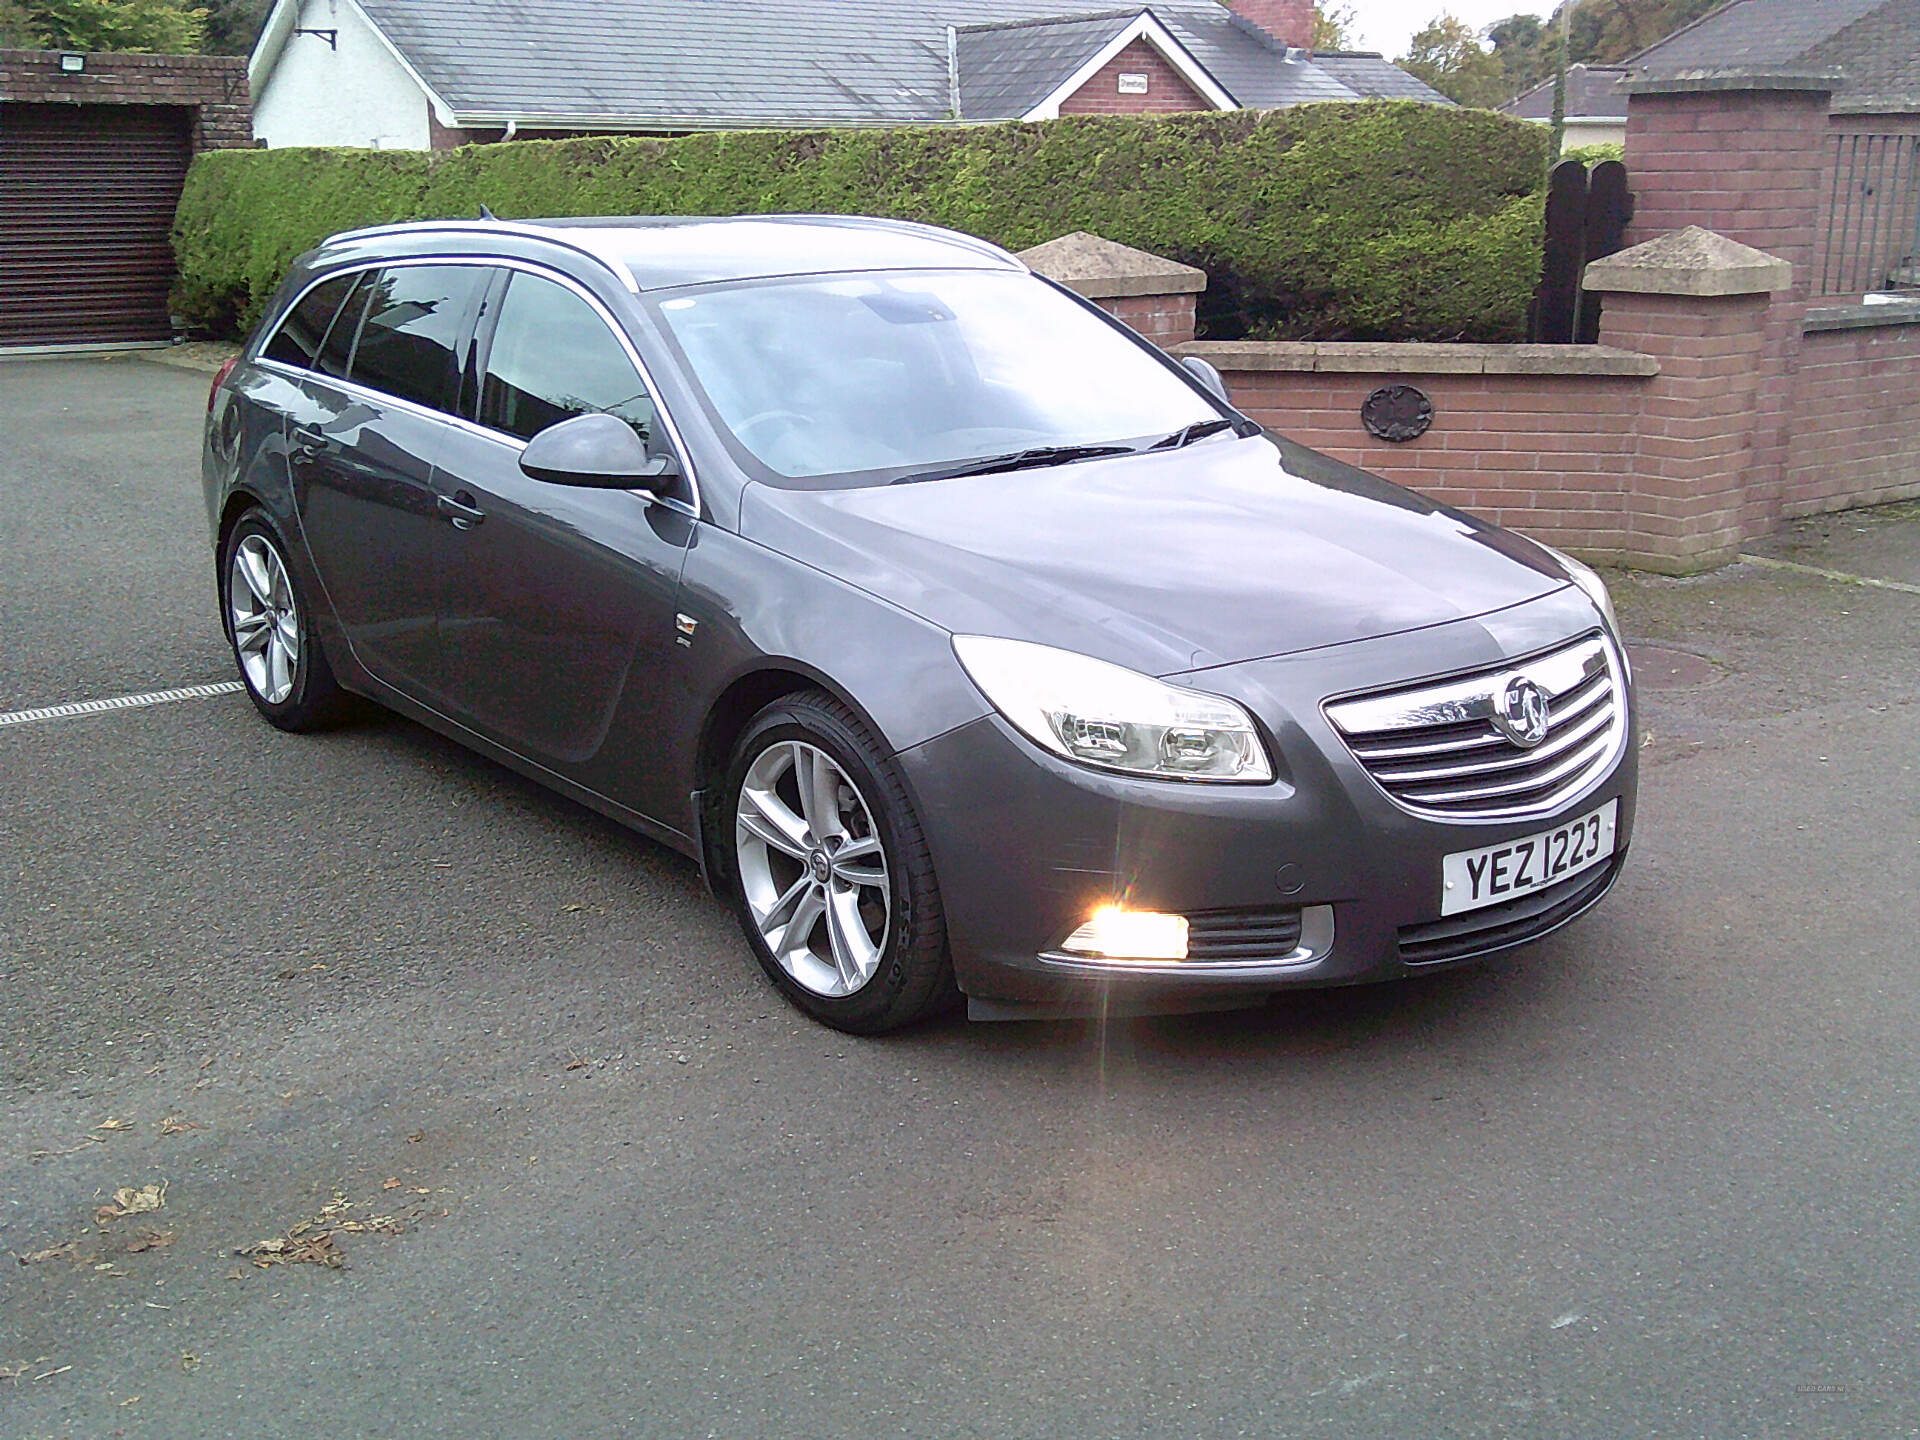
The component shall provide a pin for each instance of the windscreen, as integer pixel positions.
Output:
(881, 377)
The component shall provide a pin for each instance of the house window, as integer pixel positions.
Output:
(1133, 84)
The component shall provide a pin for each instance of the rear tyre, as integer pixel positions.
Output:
(270, 627)
(831, 876)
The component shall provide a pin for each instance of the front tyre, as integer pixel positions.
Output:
(833, 882)
(270, 627)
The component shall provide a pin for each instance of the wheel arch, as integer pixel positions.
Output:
(727, 718)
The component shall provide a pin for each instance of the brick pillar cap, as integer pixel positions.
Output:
(1106, 270)
(1690, 262)
(1701, 82)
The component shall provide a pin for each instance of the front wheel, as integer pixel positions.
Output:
(833, 882)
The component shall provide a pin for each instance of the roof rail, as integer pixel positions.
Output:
(551, 234)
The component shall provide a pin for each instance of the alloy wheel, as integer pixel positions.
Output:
(266, 622)
(812, 868)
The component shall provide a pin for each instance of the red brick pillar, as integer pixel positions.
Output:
(1745, 156)
(1157, 297)
(1701, 305)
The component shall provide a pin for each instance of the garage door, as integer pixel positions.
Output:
(87, 194)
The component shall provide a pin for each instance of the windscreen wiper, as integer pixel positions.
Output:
(1187, 434)
(1031, 459)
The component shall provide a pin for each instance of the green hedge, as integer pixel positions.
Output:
(1384, 220)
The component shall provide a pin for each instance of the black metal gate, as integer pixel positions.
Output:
(87, 195)
(1587, 215)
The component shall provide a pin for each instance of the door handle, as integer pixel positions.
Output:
(461, 508)
(309, 446)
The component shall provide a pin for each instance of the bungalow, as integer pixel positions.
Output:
(432, 74)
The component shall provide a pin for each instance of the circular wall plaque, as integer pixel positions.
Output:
(1397, 413)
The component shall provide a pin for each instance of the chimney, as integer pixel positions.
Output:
(1285, 23)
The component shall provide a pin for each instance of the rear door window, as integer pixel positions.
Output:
(417, 317)
(297, 342)
(554, 357)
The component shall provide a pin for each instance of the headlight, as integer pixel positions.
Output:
(1591, 583)
(1101, 714)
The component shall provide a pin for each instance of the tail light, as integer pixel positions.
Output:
(219, 380)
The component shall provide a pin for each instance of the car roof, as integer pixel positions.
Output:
(661, 252)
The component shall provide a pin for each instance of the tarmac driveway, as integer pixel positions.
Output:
(580, 1173)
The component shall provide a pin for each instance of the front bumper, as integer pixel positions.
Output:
(1316, 879)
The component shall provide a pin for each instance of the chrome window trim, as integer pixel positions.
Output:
(1315, 944)
(1370, 716)
(257, 356)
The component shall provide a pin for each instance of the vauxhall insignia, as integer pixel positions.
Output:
(1520, 712)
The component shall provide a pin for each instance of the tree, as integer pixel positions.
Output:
(1448, 55)
(16, 27)
(1526, 48)
(233, 25)
(171, 27)
(1333, 26)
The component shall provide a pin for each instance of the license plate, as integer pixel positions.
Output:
(1473, 878)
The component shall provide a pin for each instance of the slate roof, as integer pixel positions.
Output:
(1596, 92)
(1372, 76)
(1875, 44)
(1007, 69)
(700, 64)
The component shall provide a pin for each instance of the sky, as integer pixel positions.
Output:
(1387, 25)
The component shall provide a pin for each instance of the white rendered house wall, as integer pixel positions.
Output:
(352, 93)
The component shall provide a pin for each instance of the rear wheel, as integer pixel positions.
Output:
(271, 630)
(833, 882)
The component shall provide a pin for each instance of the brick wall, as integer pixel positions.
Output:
(1166, 93)
(1164, 319)
(214, 87)
(1550, 455)
(1745, 158)
(1856, 396)
(1747, 406)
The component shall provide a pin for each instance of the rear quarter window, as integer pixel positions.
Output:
(298, 340)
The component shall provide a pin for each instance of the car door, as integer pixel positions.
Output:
(557, 601)
(362, 442)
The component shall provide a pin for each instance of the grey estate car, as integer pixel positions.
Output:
(968, 642)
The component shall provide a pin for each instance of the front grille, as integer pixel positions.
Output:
(1244, 935)
(1435, 750)
(1479, 932)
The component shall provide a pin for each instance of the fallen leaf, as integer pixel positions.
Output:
(130, 1201)
(152, 1240)
(578, 1065)
(52, 1252)
(179, 1125)
(416, 1137)
(55, 1154)
(392, 1183)
(112, 1124)
(318, 1249)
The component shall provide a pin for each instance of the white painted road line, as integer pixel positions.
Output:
(1840, 575)
(121, 702)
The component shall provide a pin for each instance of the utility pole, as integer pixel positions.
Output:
(1560, 85)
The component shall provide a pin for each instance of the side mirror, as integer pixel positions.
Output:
(1205, 372)
(597, 451)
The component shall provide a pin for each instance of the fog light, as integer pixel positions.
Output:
(1114, 932)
